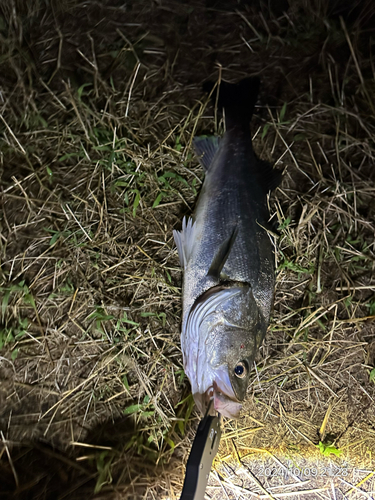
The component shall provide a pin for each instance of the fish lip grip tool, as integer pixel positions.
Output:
(202, 454)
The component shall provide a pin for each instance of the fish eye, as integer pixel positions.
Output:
(240, 369)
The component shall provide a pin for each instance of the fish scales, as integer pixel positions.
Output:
(228, 261)
(233, 198)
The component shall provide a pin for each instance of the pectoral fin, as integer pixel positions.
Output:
(222, 254)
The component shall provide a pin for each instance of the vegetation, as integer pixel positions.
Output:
(99, 104)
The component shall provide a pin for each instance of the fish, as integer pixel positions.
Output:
(227, 257)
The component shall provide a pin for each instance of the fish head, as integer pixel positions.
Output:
(229, 327)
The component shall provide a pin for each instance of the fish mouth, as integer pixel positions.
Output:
(225, 401)
(226, 405)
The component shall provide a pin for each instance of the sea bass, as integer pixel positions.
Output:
(227, 258)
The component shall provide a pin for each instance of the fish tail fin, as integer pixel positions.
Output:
(238, 100)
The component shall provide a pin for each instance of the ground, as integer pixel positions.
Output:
(99, 104)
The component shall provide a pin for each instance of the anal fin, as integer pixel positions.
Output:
(205, 148)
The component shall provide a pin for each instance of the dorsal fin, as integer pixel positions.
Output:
(268, 177)
(205, 148)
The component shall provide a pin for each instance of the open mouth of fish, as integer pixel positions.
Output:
(224, 398)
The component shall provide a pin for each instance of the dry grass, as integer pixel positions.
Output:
(98, 107)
